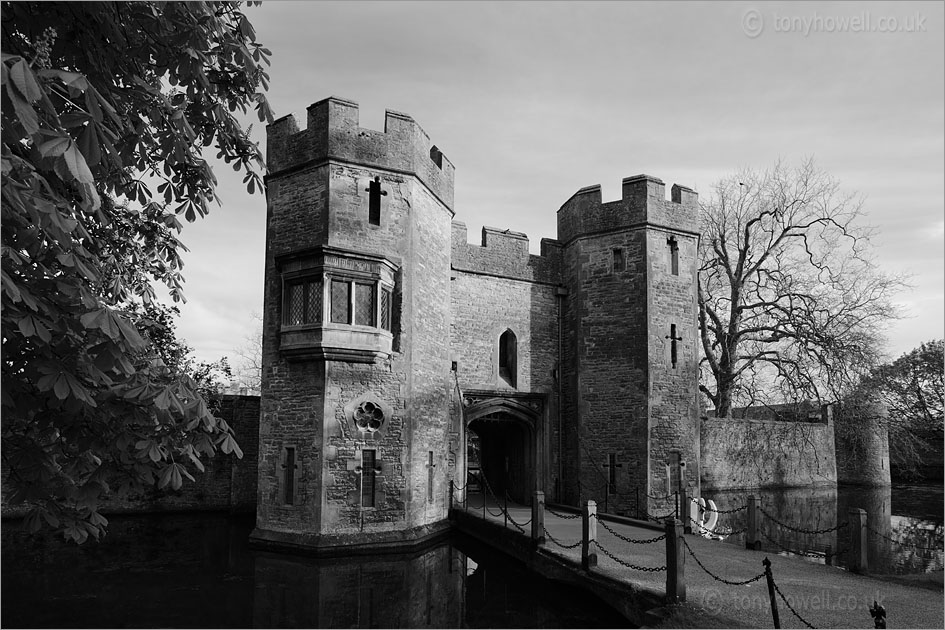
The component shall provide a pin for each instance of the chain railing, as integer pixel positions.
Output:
(788, 604)
(716, 577)
(626, 539)
(548, 536)
(560, 515)
(485, 502)
(675, 541)
(801, 529)
(809, 554)
(626, 564)
(903, 544)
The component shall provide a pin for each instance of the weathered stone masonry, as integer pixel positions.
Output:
(390, 341)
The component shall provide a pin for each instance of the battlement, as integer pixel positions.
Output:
(505, 253)
(333, 133)
(643, 201)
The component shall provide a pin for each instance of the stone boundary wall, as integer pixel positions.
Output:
(766, 454)
(228, 483)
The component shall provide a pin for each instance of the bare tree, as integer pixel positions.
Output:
(249, 369)
(791, 306)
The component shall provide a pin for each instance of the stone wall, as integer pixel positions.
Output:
(319, 371)
(766, 454)
(497, 287)
(625, 402)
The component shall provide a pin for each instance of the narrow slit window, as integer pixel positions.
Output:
(673, 245)
(288, 473)
(507, 357)
(374, 201)
(340, 301)
(430, 467)
(612, 473)
(368, 477)
(619, 262)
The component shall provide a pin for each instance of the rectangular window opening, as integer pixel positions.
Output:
(430, 467)
(385, 309)
(673, 255)
(368, 473)
(340, 302)
(619, 262)
(612, 473)
(303, 302)
(364, 309)
(288, 472)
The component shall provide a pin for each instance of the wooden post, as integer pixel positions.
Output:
(751, 535)
(451, 495)
(538, 517)
(859, 537)
(636, 500)
(588, 535)
(828, 555)
(675, 562)
(505, 510)
(684, 510)
(774, 602)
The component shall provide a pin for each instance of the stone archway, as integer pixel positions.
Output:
(508, 433)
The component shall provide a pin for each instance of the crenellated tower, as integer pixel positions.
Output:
(356, 364)
(630, 354)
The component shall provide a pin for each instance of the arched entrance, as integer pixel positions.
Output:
(506, 435)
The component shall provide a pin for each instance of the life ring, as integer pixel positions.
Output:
(708, 516)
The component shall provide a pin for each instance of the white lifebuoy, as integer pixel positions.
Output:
(713, 519)
(707, 516)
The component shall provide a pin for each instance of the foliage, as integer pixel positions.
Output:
(912, 389)
(791, 306)
(100, 103)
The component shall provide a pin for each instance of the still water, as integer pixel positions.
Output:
(196, 571)
(904, 524)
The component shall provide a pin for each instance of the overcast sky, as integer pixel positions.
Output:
(533, 101)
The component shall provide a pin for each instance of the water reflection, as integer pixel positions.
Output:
(190, 570)
(902, 538)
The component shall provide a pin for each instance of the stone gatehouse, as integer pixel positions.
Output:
(391, 344)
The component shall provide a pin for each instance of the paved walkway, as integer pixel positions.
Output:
(825, 596)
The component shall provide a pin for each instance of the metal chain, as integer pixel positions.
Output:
(663, 498)
(485, 503)
(632, 541)
(801, 530)
(791, 608)
(783, 548)
(732, 511)
(714, 533)
(627, 564)
(557, 542)
(714, 576)
(517, 524)
(660, 518)
(564, 516)
(902, 544)
(456, 486)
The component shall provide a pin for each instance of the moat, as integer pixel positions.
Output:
(196, 570)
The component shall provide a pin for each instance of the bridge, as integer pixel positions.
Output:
(641, 568)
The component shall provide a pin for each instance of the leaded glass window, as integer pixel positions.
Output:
(340, 302)
(385, 309)
(303, 302)
(364, 311)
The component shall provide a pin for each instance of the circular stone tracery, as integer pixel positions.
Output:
(369, 416)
